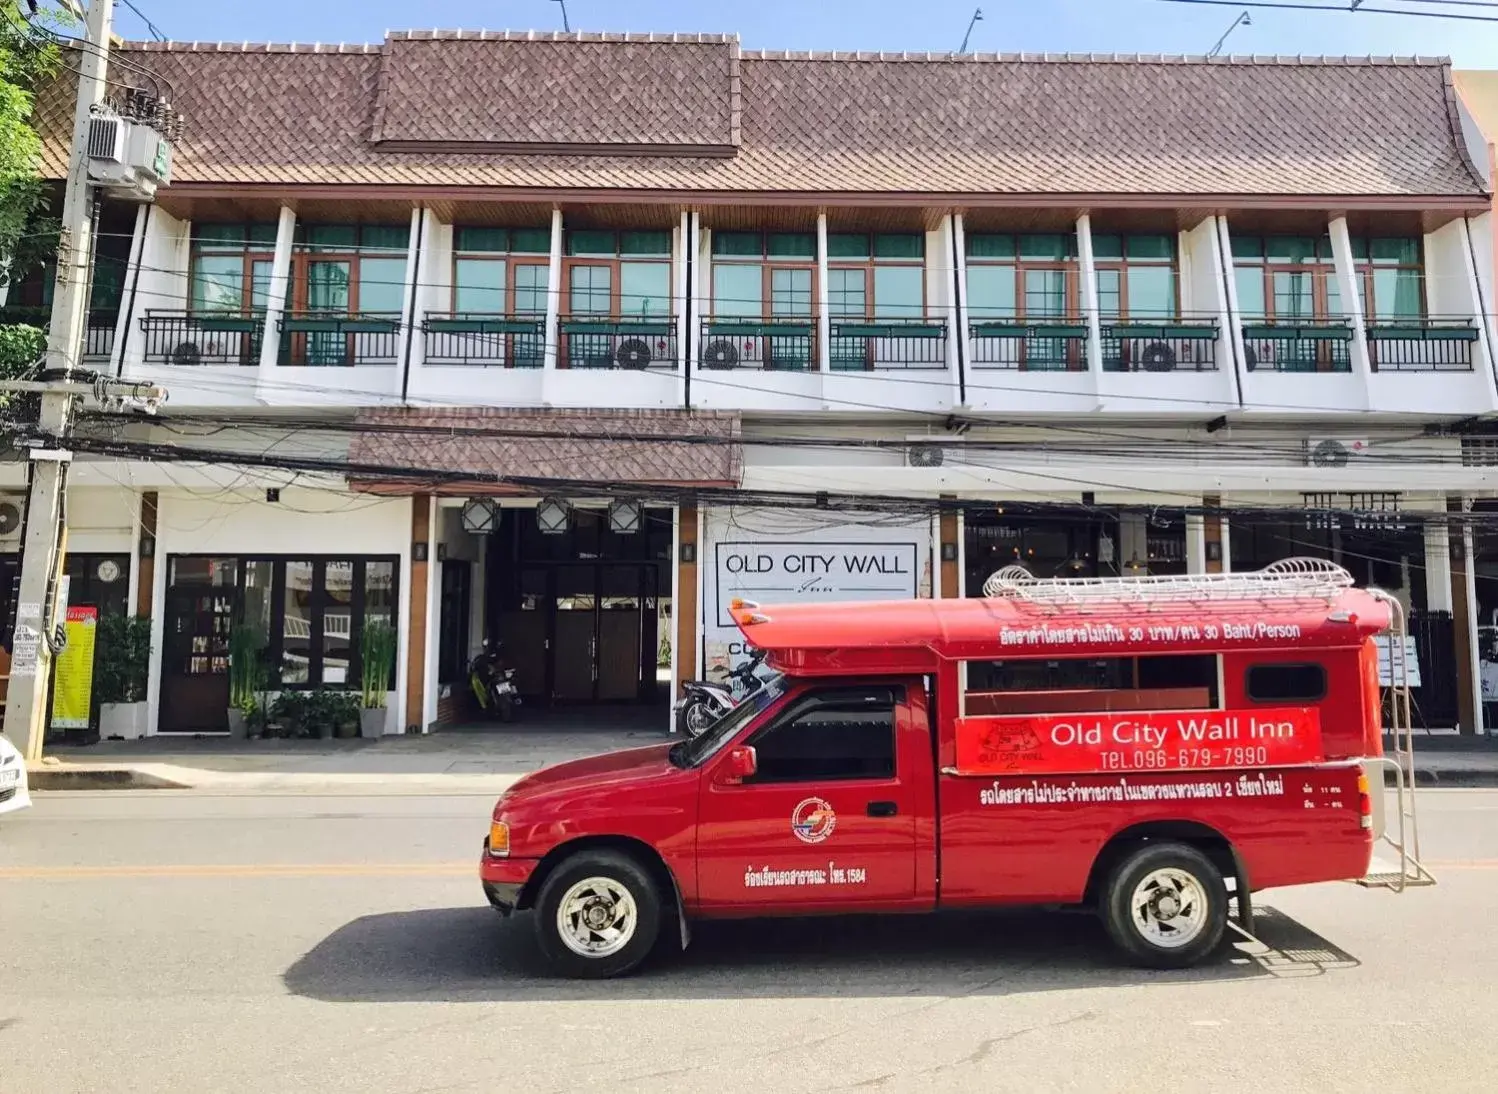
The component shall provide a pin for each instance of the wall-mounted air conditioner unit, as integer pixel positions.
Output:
(1333, 451)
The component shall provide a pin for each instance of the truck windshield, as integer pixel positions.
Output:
(693, 752)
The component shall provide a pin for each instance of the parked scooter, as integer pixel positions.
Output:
(492, 679)
(706, 701)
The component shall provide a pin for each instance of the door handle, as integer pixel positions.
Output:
(883, 809)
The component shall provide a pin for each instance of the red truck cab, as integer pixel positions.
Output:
(1149, 748)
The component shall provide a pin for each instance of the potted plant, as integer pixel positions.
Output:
(343, 713)
(120, 671)
(246, 676)
(377, 661)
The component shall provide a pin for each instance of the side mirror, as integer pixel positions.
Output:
(740, 765)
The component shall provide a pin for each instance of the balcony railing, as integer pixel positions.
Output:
(98, 333)
(1033, 347)
(202, 338)
(484, 339)
(1177, 346)
(778, 344)
(874, 344)
(1298, 346)
(619, 343)
(339, 339)
(1422, 345)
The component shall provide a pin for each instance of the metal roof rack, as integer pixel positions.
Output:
(1289, 578)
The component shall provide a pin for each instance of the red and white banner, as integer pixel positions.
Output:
(1177, 740)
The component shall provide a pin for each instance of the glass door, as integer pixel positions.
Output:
(328, 293)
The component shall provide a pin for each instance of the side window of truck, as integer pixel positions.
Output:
(1303, 682)
(830, 734)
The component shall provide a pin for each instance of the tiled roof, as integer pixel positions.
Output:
(790, 123)
(581, 446)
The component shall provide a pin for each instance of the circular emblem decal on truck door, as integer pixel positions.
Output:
(813, 820)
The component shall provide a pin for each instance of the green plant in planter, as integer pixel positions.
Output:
(377, 661)
(123, 661)
(247, 669)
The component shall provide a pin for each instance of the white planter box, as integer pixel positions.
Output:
(125, 720)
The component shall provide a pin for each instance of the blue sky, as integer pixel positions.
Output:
(1125, 26)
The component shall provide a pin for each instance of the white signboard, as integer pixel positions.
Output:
(800, 557)
(1392, 668)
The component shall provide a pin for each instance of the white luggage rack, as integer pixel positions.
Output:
(1288, 579)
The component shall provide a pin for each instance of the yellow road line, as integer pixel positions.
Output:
(213, 870)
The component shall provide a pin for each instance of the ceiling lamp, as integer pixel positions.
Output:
(553, 516)
(625, 516)
(480, 516)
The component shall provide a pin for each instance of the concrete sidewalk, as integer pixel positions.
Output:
(461, 762)
(472, 762)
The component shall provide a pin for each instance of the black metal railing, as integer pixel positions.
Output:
(618, 343)
(339, 339)
(1060, 346)
(98, 333)
(1177, 346)
(1298, 346)
(488, 340)
(779, 344)
(1422, 345)
(202, 338)
(874, 344)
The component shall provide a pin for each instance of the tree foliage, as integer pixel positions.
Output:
(29, 55)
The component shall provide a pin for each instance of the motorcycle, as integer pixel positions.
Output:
(706, 701)
(493, 683)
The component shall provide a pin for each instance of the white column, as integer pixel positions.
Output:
(959, 312)
(1090, 311)
(1352, 301)
(412, 347)
(961, 553)
(1233, 312)
(673, 629)
(1438, 566)
(276, 303)
(128, 317)
(824, 321)
(1196, 543)
(162, 285)
(434, 617)
(554, 292)
(1227, 544)
(1474, 658)
(1133, 543)
(1453, 291)
(686, 244)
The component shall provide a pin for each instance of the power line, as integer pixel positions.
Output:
(1339, 8)
(150, 26)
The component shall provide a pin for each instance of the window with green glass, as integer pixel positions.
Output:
(644, 289)
(532, 282)
(762, 275)
(790, 294)
(230, 267)
(738, 290)
(847, 292)
(1027, 275)
(479, 286)
(1295, 278)
(591, 290)
(1136, 276)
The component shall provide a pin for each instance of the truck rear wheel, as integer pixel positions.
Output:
(598, 914)
(1165, 906)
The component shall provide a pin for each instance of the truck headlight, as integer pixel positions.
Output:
(499, 839)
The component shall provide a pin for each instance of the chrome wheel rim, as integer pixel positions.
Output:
(1169, 908)
(699, 717)
(597, 917)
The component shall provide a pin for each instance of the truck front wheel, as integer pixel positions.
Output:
(1165, 906)
(598, 914)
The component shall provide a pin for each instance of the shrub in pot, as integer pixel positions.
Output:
(247, 676)
(376, 664)
(121, 667)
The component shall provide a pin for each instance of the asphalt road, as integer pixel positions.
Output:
(170, 941)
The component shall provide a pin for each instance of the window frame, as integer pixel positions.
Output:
(1121, 266)
(1070, 268)
(249, 252)
(870, 265)
(615, 263)
(768, 264)
(810, 700)
(304, 255)
(511, 261)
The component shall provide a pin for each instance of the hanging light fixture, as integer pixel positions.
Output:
(553, 516)
(480, 516)
(625, 516)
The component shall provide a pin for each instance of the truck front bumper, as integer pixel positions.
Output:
(504, 879)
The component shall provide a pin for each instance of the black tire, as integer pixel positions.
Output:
(619, 870)
(694, 717)
(1130, 934)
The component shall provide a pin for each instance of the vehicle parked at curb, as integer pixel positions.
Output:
(1152, 749)
(14, 794)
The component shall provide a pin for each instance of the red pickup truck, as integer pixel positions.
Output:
(1150, 748)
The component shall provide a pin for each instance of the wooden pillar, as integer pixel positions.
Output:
(685, 608)
(145, 555)
(416, 630)
(950, 584)
(1214, 534)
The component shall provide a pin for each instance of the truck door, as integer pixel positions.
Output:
(829, 817)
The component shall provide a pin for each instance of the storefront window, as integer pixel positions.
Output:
(296, 624)
(337, 621)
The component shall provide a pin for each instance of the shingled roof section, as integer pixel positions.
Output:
(799, 123)
(481, 448)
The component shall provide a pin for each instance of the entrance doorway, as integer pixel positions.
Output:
(582, 614)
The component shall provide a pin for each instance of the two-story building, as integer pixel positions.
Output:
(568, 339)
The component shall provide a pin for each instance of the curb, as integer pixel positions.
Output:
(1451, 778)
(43, 778)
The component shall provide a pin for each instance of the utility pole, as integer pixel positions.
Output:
(45, 541)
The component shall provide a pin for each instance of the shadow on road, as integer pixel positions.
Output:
(451, 954)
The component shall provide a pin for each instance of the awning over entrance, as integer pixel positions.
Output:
(468, 451)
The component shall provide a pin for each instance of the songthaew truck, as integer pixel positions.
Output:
(1156, 749)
